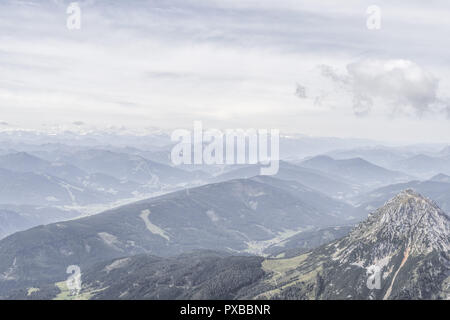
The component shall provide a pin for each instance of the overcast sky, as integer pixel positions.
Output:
(310, 67)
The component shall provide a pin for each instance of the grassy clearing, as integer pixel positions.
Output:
(283, 265)
(31, 290)
(285, 273)
(66, 295)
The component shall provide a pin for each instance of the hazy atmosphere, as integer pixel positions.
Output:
(224, 150)
(297, 66)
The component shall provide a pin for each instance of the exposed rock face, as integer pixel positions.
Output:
(400, 252)
(408, 219)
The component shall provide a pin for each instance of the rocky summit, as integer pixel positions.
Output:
(400, 252)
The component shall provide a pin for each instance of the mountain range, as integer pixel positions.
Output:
(246, 216)
(401, 251)
(356, 171)
(437, 188)
(329, 184)
(223, 231)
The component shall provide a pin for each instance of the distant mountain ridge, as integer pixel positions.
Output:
(424, 166)
(356, 170)
(435, 188)
(441, 178)
(57, 182)
(328, 184)
(42, 189)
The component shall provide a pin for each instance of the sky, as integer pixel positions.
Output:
(309, 67)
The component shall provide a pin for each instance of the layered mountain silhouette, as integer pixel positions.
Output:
(424, 166)
(437, 188)
(356, 171)
(327, 183)
(251, 216)
(401, 251)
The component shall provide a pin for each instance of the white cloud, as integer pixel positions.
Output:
(391, 86)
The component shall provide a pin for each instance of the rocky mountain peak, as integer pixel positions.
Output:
(408, 222)
(394, 254)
